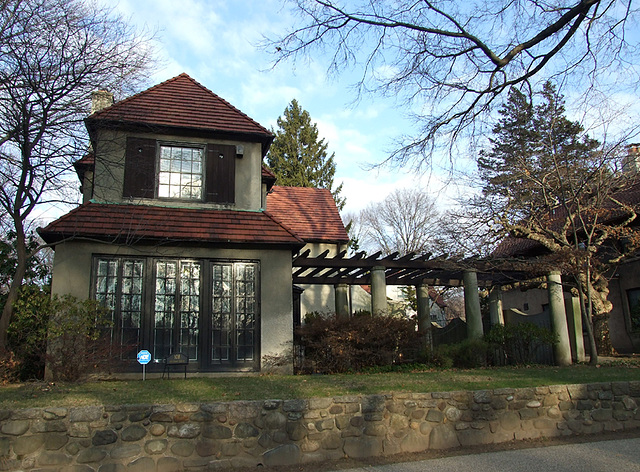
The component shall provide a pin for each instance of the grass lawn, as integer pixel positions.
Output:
(178, 390)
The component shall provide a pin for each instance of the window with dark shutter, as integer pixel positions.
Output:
(139, 168)
(221, 173)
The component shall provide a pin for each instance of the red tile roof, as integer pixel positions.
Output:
(131, 223)
(310, 212)
(610, 213)
(180, 102)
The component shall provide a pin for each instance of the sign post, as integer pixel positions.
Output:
(144, 357)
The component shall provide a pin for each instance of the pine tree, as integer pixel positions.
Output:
(537, 157)
(298, 158)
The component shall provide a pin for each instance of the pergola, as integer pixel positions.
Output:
(423, 271)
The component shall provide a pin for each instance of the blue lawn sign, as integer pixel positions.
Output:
(144, 357)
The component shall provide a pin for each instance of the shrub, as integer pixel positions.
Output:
(332, 346)
(467, 354)
(27, 332)
(79, 340)
(9, 367)
(517, 344)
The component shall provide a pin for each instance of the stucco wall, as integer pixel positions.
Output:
(109, 171)
(72, 274)
(622, 340)
(318, 298)
(214, 436)
(527, 301)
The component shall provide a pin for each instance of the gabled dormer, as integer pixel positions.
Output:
(176, 144)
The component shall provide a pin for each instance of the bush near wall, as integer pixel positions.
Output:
(332, 345)
(518, 344)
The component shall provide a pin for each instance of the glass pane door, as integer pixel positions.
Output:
(234, 316)
(177, 309)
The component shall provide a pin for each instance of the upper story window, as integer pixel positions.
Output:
(156, 169)
(180, 174)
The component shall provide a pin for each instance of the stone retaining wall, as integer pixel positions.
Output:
(215, 436)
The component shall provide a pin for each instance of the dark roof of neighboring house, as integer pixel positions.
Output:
(522, 247)
(310, 212)
(132, 223)
(181, 103)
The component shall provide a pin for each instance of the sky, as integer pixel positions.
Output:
(217, 42)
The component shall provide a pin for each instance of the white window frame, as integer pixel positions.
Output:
(179, 179)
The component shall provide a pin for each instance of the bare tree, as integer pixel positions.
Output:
(404, 222)
(451, 60)
(53, 54)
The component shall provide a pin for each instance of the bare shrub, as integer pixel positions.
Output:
(332, 345)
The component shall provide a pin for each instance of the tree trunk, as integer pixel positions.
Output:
(14, 288)
(586, 321)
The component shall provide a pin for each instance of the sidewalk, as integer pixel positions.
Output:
(598, 456)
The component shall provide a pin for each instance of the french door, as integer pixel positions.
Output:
(234, 315)
(177, 308)
(206, 309)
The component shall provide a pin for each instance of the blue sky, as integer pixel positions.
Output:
(217, 43)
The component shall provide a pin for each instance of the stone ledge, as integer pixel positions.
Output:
(287, 432)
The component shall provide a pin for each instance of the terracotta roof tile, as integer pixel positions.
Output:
(181, 102)
(130, 223)
(309, 212)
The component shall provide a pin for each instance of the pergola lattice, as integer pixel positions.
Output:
(409, 269)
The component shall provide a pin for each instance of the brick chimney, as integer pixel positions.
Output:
(631, 162)
(100, 99)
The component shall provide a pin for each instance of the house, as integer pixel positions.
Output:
(182, 233)
(624, 280)
(312, 212)
(397, 298)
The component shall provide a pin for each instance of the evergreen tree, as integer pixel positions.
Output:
(298, 158)
(538, 158)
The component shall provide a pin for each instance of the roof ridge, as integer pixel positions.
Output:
(305, 188)
(206, 89)
(135, 95)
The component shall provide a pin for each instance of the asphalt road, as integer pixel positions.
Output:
(612, 455)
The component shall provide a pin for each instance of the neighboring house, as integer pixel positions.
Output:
(182, 233)
(624, 282)
(398, 304)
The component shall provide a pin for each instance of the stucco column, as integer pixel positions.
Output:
(472, 305)
(424, 318)
(378, 292)
(495, 306)
(342, 301)
(574, 320)
(562, 349)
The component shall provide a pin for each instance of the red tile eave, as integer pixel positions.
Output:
(129, 223)
(163, 128)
